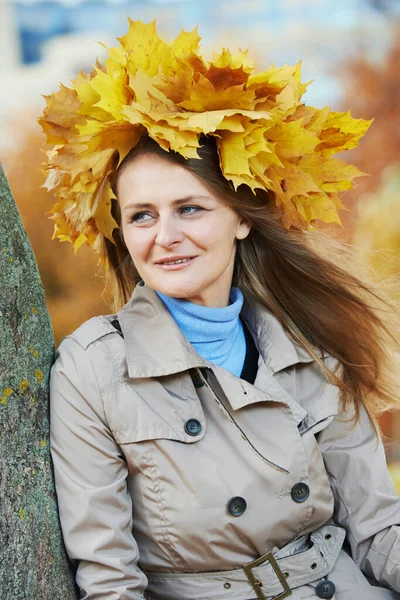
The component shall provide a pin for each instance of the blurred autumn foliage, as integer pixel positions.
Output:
(377, 228)
(72, 282)
(372, 90)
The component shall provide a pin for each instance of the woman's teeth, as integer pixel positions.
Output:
(176, 262)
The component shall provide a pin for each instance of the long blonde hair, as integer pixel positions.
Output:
(306, 279)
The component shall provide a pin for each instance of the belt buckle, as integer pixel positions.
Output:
(257, 585)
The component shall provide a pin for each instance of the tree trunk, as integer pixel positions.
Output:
(33, 563)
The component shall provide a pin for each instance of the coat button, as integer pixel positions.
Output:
(325, 589)
(197, 380)
(237, 506)
(193, 427)
(300, 492)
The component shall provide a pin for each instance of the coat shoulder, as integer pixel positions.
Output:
(93, 330)
(100, 343)
(316, 394)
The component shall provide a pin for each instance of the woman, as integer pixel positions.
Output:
(216, 437)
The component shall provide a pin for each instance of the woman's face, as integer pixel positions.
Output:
(167, 215)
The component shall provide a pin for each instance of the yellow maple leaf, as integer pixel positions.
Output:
(114, 94)
(328, 170)
(341, 132)
(292, 139)
(144, 48)
(186, 44)
(102, 210)
(89, 97)
(118, 136)
(316, 206)
(239, 60)
(147, 95)
(233, 155)
(115, 64)
(62, 108)
(204, 97)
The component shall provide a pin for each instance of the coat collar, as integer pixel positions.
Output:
(155, 346)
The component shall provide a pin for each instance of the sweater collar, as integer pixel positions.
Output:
(202, 324)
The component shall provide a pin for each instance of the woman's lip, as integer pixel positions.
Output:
(176, 267)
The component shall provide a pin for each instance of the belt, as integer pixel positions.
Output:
(272, 576)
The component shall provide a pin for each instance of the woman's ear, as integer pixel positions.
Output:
(243, 229)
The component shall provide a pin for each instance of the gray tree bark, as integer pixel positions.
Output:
(33, 563)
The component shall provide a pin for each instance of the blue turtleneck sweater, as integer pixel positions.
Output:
(216, 333)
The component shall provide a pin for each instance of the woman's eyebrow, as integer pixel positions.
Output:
(178, 202)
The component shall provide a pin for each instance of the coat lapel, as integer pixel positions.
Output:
(155, 346)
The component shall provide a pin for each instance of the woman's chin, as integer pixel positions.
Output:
(176, 292)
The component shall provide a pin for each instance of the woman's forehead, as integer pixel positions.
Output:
(150, 178)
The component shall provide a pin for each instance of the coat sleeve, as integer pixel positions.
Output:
(366, 504)
(91, 483)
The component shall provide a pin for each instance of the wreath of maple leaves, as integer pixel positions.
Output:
(266, 136)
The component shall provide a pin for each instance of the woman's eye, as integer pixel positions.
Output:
(190, 210)
(143, 217)
(140, 217)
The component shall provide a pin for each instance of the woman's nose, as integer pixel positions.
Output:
(168, 232)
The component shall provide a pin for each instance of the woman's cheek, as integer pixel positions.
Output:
(138, 244)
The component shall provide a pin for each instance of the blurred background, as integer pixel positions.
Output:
(351, 48)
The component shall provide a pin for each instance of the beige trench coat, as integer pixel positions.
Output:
(172, 474)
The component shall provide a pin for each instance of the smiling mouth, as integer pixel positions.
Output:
(179, 261)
